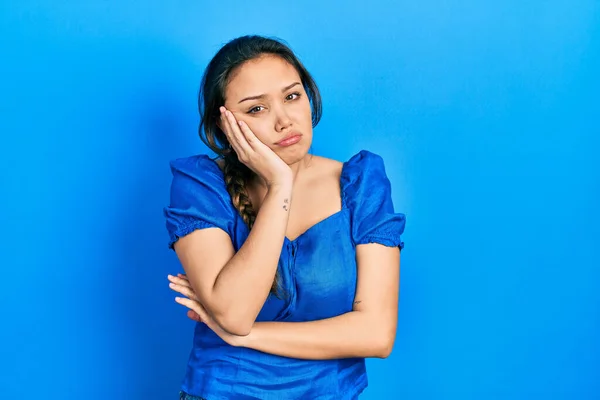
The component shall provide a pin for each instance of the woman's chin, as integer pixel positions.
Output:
(295, 156)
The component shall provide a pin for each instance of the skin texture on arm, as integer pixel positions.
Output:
(233, 287)
(368, 330)
(265, 102)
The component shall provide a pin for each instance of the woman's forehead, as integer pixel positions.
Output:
(267, 75)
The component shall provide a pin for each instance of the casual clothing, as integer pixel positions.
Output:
(318, 274)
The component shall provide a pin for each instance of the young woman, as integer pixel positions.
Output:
(291, 260)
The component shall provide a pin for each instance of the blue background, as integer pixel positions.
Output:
(486, 114)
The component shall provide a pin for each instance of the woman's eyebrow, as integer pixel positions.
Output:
(260, 96)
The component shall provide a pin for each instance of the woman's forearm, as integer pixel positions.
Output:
(243, 284)
(354, 334)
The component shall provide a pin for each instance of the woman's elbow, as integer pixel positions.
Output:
(234, 326)
(238, 331)
(384, 346)
(385, 350)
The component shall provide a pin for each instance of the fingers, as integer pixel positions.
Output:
(184, 290)
(240, 141)
(249, 135)
(192, 305)
(194, 315)
(179, 280)
(182, 276)
(228, 129)
(181, 284)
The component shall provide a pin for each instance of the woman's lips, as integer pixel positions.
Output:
(295, 138)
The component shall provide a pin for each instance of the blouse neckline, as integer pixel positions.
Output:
(318, 223)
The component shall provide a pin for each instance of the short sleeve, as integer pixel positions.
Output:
(367, 193)
(199, 198)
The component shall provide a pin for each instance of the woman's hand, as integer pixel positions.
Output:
(197, 312)
(254, 153)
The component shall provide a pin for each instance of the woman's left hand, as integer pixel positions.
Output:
(197, 312)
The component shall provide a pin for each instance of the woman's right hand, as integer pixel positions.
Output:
(254, 153)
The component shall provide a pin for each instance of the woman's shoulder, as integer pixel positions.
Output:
(367, 192)
(362, 173)
(362, 165)
(197, 166)
(353, 165)
(198, 198)
(198, 173)
(363, 159)
(194, 161)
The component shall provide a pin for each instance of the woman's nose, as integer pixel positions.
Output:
(282, 119)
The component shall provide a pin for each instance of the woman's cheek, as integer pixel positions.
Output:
(258, 130)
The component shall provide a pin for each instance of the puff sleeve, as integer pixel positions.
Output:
(199, 198)
(367, 193)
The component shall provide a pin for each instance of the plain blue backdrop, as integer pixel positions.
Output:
(487, 116)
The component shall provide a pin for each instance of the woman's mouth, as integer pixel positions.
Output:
(290, 140)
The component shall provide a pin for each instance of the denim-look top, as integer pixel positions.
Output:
(318, 273)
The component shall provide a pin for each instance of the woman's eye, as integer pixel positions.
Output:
(257, 109)
(254, 108)
(292, 94)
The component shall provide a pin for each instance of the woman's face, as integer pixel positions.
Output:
(267, 94)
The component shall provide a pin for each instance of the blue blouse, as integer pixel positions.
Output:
(318, 273)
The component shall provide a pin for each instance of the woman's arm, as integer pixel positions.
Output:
(367, 331)
(354, 334)
(234, 286)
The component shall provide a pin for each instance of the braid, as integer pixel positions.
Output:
(237, 176)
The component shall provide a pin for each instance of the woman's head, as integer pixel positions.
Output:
(289, 102)
(252, 66)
